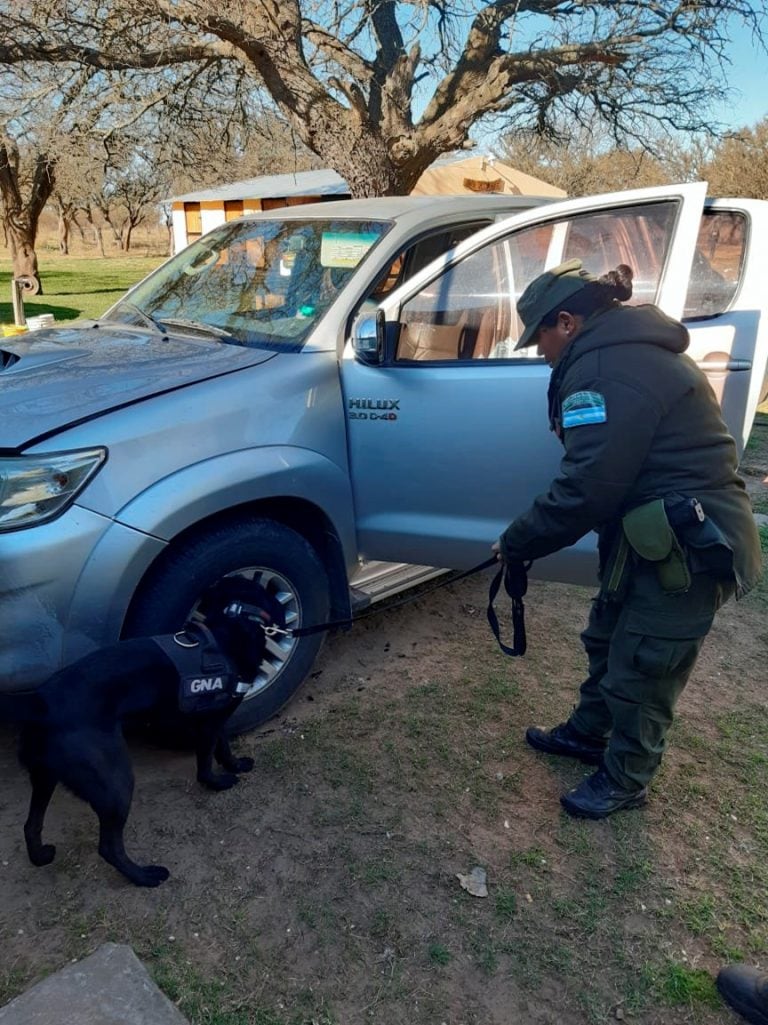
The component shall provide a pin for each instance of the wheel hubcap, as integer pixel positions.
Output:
(279, 648)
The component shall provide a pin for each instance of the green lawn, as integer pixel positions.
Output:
(76, 287)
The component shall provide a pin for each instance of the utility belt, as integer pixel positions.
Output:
(676, 536)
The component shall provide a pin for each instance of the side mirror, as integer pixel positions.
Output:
(365, 338)
(373, 338)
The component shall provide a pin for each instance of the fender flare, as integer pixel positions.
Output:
(223, 483)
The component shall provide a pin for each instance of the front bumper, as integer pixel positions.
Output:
(64, 588)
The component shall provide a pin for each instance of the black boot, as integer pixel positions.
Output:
(565, 740)
(746, 991)
(599, 796)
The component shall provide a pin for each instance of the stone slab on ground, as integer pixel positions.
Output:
(111, 987)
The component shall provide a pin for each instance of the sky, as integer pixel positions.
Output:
(748, 76)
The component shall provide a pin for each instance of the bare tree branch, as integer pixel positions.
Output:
(379, 88)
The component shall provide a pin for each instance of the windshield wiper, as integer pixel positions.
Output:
(146, 318)
(196, 325)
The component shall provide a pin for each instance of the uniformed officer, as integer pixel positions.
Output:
(650, 466)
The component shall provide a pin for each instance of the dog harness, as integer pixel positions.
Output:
(208, 681)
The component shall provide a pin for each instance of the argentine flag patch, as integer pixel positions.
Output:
(584, 407)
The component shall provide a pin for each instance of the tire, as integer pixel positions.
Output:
(275, 556)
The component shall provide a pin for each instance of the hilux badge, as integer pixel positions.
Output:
(372, 409)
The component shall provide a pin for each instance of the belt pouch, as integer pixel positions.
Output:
(647, 530)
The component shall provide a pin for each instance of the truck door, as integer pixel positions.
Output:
(725, 308)
(451, 441)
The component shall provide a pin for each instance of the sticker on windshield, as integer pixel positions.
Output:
(345, 248)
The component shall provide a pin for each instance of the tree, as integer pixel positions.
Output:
(29, 153)
(379, 88)
(26, 183)
(120, 150)
(584, 165)
(739, 164)
(79, 164)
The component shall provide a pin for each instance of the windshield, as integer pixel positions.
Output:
(264, 283)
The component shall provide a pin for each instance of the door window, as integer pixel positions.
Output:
(464, 314)
(717, 263)
(468, 313)
(636, 236)
(417, 256)
(409, 261)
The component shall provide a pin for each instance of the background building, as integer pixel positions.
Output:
(197, 212)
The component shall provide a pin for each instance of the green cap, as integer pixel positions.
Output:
(548, 292)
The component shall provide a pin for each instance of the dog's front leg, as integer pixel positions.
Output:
(225, 757)
(206, 744)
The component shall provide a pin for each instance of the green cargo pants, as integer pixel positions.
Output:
(641, 652)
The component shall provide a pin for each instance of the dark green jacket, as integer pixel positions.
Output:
(639, 421)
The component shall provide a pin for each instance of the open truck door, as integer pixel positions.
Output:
(447, 423)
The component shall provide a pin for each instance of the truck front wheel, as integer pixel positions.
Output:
(269, 553)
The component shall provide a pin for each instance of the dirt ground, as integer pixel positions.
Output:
(323, 889)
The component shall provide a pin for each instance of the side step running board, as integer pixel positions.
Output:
(375, 581)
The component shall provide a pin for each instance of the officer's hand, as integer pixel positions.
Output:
(496, 549)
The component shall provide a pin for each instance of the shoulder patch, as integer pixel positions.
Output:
(584, 407)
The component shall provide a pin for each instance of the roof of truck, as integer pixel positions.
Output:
(383, 208)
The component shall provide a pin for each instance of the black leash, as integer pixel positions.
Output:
(515, 578)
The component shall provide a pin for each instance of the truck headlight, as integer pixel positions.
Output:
(37, 488)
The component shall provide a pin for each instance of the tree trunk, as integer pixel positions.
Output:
(21, 240)
(99, 239)
(369, 170)
(63, 234)
(21, 214)
(117, 230)
(363, 159)
(97, 236)
(127, 238)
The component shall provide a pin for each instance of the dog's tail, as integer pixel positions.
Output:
(24, 706)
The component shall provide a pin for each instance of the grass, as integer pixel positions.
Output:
(211, 1001)
(438, 954)
(681, 985)
(557, 908)
(77, 287)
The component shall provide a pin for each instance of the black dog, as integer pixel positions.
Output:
(72, 725)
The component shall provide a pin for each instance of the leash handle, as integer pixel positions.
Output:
(515, 577)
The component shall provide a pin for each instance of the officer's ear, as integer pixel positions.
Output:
(569, 323)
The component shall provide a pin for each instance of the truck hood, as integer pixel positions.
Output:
(64, 376)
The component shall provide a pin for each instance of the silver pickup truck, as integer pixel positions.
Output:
(325, 399)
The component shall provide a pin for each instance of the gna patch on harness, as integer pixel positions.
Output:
(584, 407)
(207, 693)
